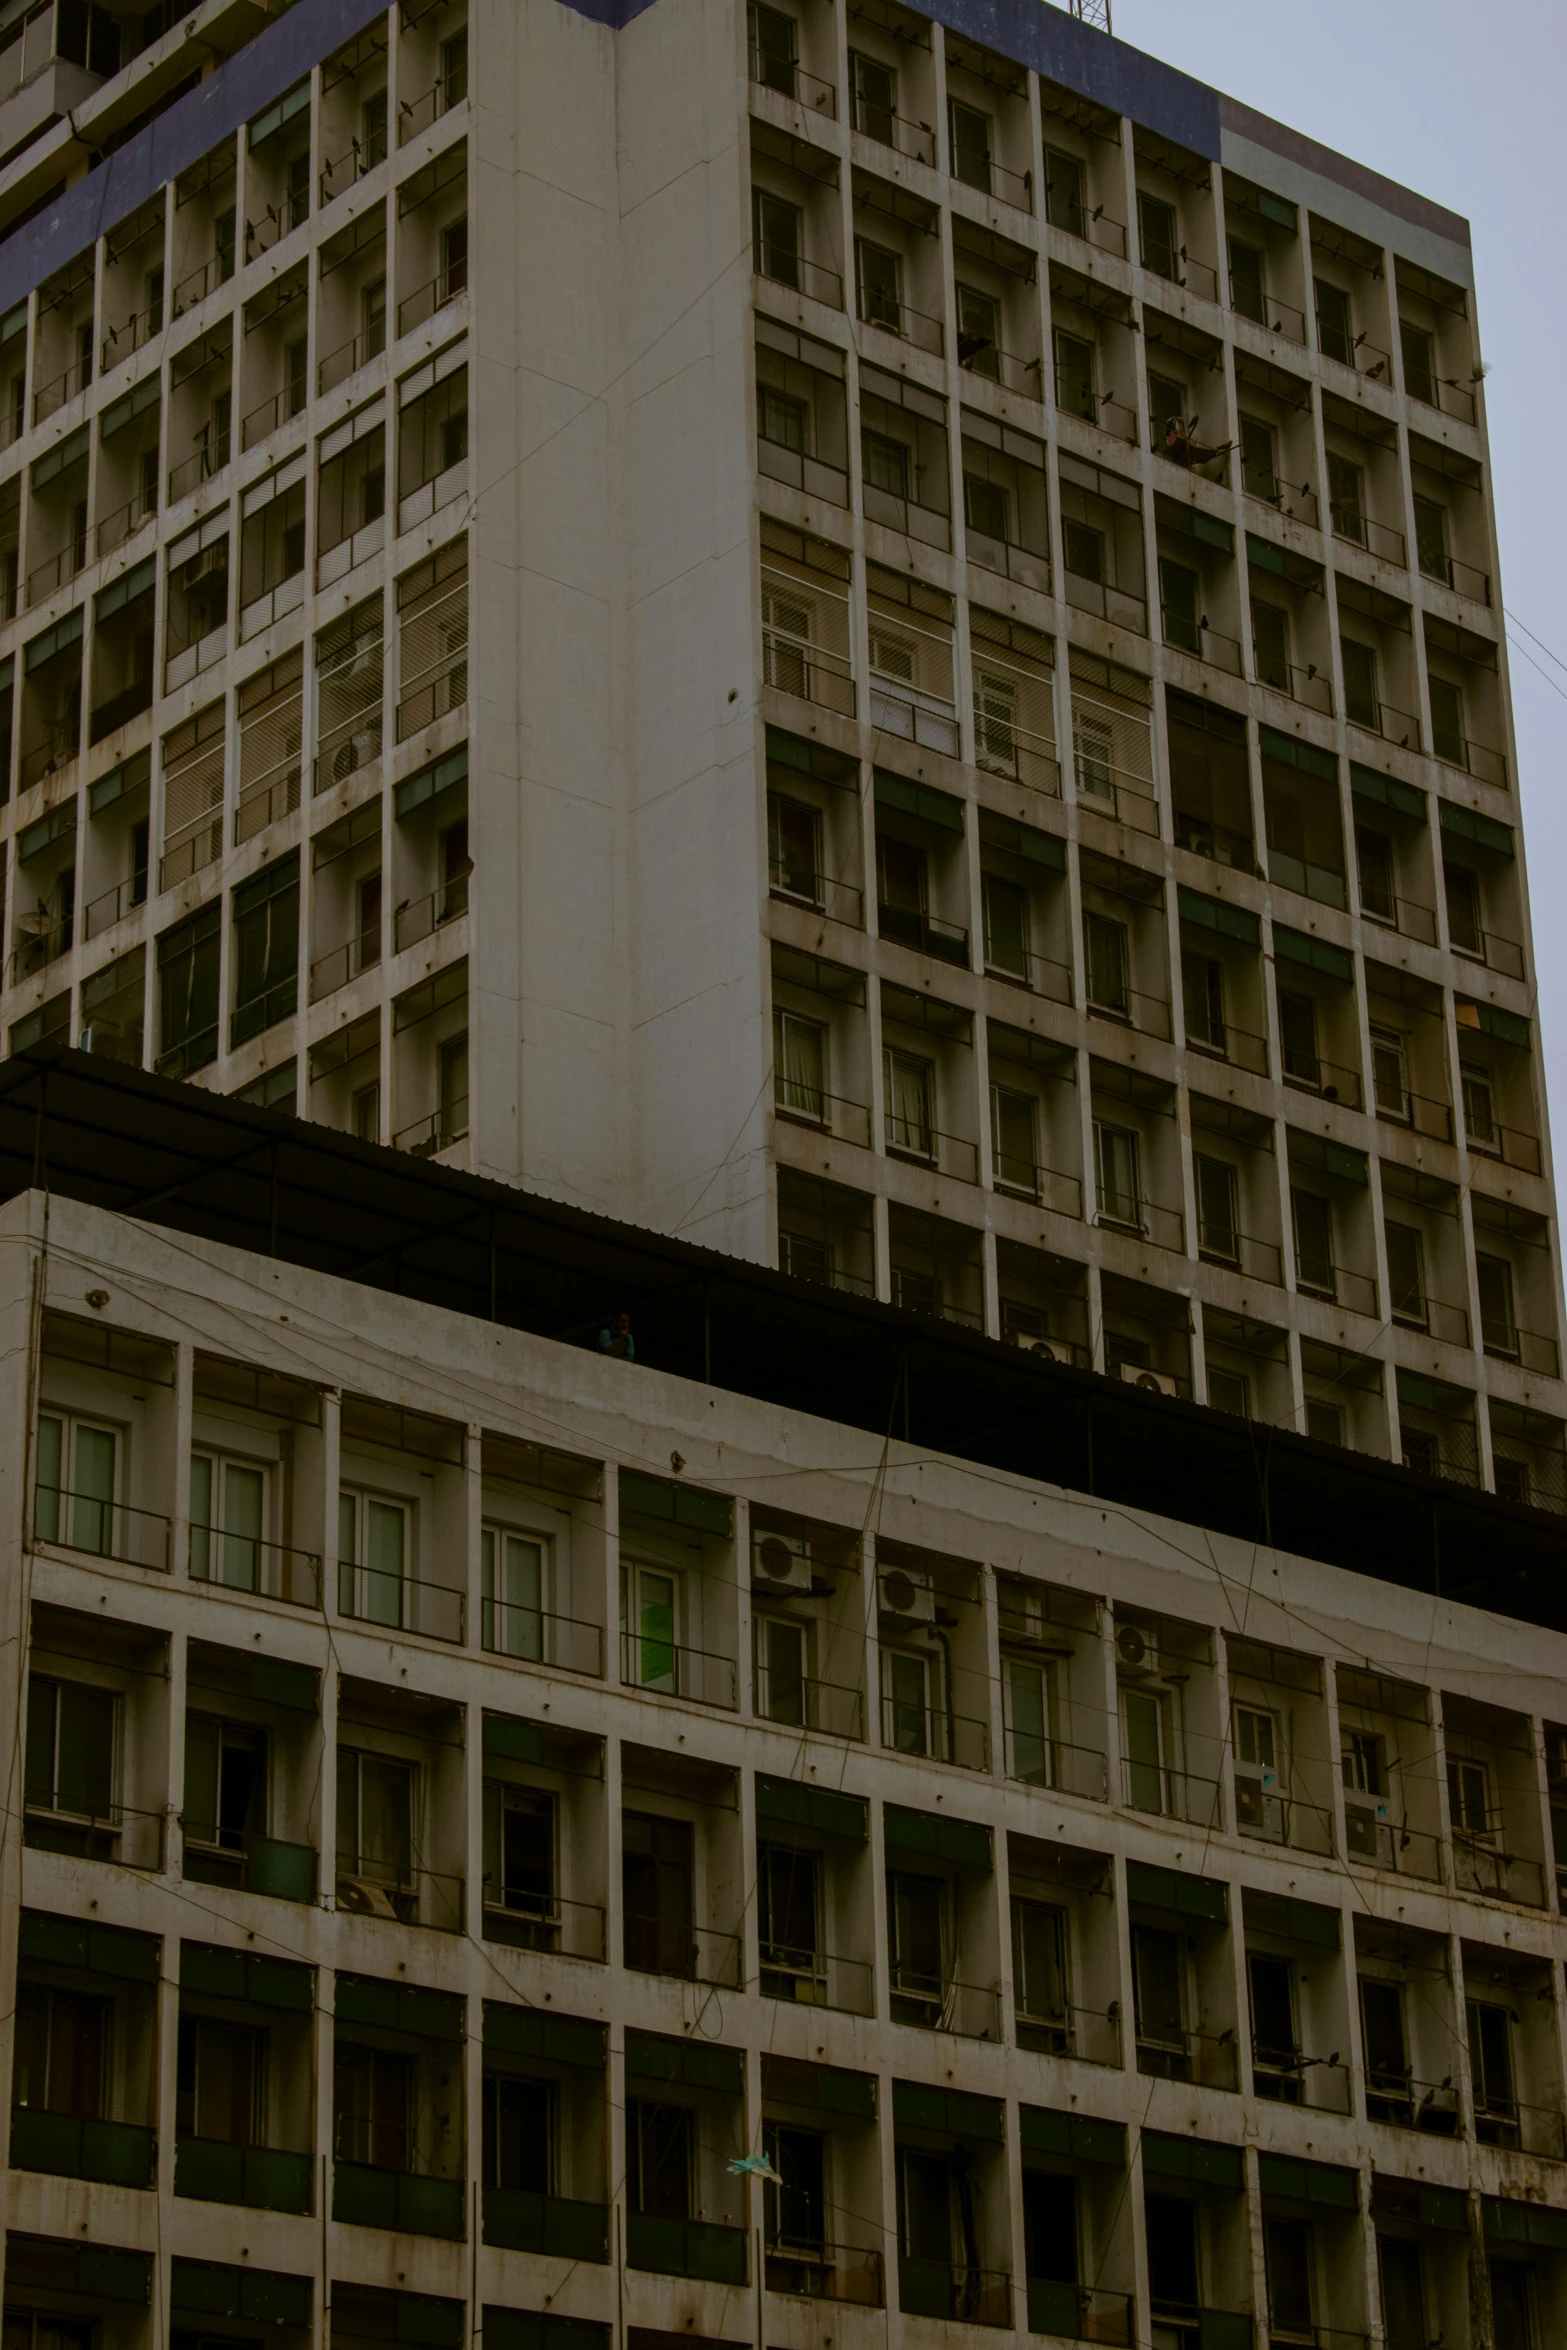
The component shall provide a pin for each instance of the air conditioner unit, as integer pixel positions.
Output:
(905, 1597)
(1136, 1649)
(780, 1565)
(1053, 1349)
(1151, 1382)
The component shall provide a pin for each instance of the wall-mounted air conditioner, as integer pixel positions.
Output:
(778, 1564)
(905, 1597)
(1151, 1382)
(1136, 1650)
(1053, 1349)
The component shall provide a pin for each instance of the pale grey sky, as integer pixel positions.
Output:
(1466, 104)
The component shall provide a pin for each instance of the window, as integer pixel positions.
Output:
(1431, 539)
(266, 949)
(1324, 1421)
(69, 1766)
(1362, 1762)
(1050, 2226)
(1406, 1275)
(1159, 2002)
(1027, 1691)
(520, 2128)
(454, 69)
(372, 131)
(1218, 1216)
(1390, 1071)
(1419, 356)
(365, 1113)
(73, 1500)
(1374, 855)
(1498, 1321)
(1274, 2037)
(1270, 641)
(777, 234)
(1312, 1216)
(1419, 1452)
(1180, 592)
(780, 419)
(986, 508)
(1074, 360)
(657, 1888)
(519, 1856)
(789, 1922)
(1039, 1972)
(969, 136)
(1479, 1106)
(511, 1569)
(188, 961)
(1289, 2250)
(1362, 703)
(1491, 2067)
(660, 2151)
(451, 1089)
(910, 1086)
(795, 2210)
(782, 1645)
(1142, 1735)
(225, 1784)
(874, 97)
(373, 2106)
(794, 849)
(62, 2042)
(1461, 888)
(1093, 743)
(1259, 459)
(918, 1932)
(1402, 2293)
(1259, 1812)
(773, 48)
(879, 277)
(1248, 289)
(906, 1700)
(1005, 906)
(1064, 191)
(1107, 962)
(220, 2082)
(1514, 2306)
(375, 1823)
(1157, 235)
(1083, 550)
(1202, 995)
(1346, 499)
(1469, 1798)
(1229, 1391)
(786, 637)
(1014, 1139)
(648, 1627)
(979, 332)
(1117, 1176)
(885, 463)
(1298, 1036)
(1386, 2049)
(995, 724)
(1335, 326)
(374, 1552)
(1447, 722)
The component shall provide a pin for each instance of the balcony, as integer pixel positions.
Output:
(411, 1897)
(1210, 2060)
(379, 1595)
(1372, 1839)
(1082, 2033)
(817, 1978)
(912, 926)
(967, 2296)
(932, 2003)
(931, 1732)
(518, 2221)
(266, 1570)
(668, 1945)
(1270, 1818)
(1285, 2077)
(98, 1528)
(703, 2249)
(403, 2202)
(1400, 2102)
(250, 1864)
(1080, 2313)
(1183, 2326)
(263, 2178)
(544, 1921)
(825, 2272)
(827, 1707)
(663, 1669)
(1481, 1865)
(102, 2153)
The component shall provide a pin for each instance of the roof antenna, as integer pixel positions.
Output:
(1094, 12)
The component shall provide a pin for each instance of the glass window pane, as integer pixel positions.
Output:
(92, 1511)
(46, 1501)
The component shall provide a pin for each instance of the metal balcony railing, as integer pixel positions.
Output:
(536, 1636)
(402, 1603)
(1210, 2060)
(1373, 1839)
(100, 1528)
(527, 1920)
(1287, 2077)
(935, 2003)
(664, 1669)
(518, 2220)
(915, 139)
(665, 1944)
(1082, 2033)
(700, 2248)
(939, 2289)
(817, 1978)
(1081, 2313)
(104, 2153)
(406, 2202)
(1168, 1794)
(786, 79)
(1397, 2099)
(908, 1727)
(825, 2272)
(404, 1895)
(131, 1838)
(801, 1703)
(1262, 1813)
(267, 1570)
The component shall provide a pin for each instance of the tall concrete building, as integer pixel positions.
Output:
(830, 1835)
(981, 768)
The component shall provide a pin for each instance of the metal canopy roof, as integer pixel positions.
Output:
(177, 1156)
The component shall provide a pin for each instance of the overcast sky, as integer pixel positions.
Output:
(1466, 104)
